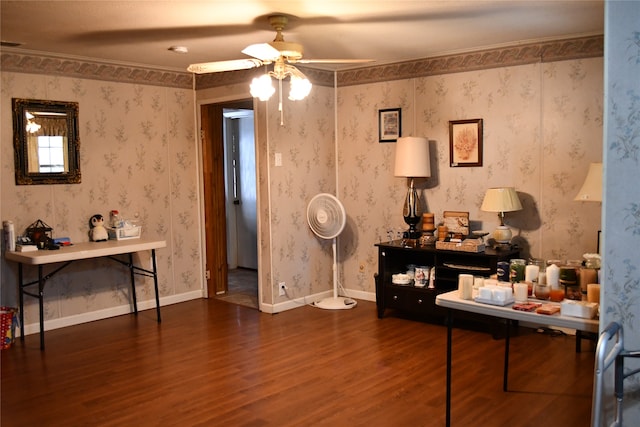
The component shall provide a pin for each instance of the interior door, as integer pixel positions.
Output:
(242, 227)
(213, 159)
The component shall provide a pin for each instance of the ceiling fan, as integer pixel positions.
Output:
(278, 52)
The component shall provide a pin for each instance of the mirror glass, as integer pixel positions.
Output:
(46, 144)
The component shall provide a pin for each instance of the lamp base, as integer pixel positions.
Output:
(412, 233)
(502, 234)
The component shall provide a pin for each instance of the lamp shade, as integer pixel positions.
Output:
(591, 190)
(412, 157)
(502, 199)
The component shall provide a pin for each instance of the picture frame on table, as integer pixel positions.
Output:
(465, 143)
(389, 124)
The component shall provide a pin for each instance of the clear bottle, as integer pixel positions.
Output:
(114, 219)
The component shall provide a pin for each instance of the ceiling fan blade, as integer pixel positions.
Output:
(220, 66)
(262, 51)
(332, 61)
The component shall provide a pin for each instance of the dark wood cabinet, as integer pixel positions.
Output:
(393, 258)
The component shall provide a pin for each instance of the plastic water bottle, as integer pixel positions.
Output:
(114, 220)
(9, 236)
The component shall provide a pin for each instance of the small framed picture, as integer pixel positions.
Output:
(389, 124)
(465, 143)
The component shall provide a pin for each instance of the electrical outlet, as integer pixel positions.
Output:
(282, 289)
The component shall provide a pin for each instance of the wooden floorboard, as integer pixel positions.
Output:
(303, 367)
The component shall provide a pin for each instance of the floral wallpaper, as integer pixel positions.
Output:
(542, 128)
(307, 144)
(621, 216)
(138, 155)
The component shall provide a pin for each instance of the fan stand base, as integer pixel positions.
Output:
(336, 303)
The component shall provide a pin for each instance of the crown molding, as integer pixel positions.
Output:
(19, 60)
(548, 51)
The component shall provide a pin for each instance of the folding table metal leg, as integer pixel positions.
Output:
(505, 378)
(155, 283)
(133, 285)
(448, 398)
(41, 304)
(21, 297)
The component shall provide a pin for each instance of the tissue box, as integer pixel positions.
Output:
(582, 309)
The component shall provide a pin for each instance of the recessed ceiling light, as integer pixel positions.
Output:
(179, 49)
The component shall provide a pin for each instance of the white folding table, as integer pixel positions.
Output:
(79, 251)
(452, 301)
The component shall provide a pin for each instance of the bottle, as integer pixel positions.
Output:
(9, 236)
(114, 219)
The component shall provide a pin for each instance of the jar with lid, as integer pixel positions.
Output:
(516, 270)
(569, 280)
(592, 260)
(114, 219)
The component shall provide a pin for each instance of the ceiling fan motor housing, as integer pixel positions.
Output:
(290, 50)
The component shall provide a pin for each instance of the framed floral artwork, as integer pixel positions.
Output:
(465, 143)
(389, 124)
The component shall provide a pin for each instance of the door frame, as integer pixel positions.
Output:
(215, 227)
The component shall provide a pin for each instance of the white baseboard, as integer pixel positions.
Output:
(362, 295)
(78, 319)
(300, 302)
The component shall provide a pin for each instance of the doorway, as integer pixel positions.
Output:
(229, 174)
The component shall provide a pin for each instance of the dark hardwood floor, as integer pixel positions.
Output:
(304, 367)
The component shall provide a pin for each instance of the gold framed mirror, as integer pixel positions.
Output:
(45, 141)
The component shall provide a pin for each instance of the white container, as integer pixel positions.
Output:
(582, 309)
(465, 286)
(9, 236)
(553, 275)
(531, 273)
(124, 233)
(520, 291)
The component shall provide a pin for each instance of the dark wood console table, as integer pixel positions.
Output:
(394, 258)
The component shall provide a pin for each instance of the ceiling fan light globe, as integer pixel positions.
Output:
(300, 88)
(262, 88)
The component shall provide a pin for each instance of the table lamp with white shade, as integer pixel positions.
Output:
(412, 161)
(501, 200)
(591, 190)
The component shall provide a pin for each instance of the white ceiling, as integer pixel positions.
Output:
(140, 32)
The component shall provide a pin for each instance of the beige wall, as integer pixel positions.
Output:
(139, 154)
